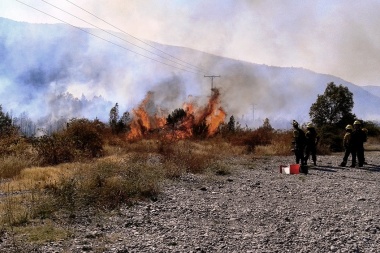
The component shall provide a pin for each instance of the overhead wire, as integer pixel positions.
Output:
(84, 30)
(133, 36)
(108, 32)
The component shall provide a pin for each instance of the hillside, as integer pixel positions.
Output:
(57, 71)
(375, 90)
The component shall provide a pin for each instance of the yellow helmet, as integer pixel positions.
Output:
(349, 127)
(309, 125)
(357, 122)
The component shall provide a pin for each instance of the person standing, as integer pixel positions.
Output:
(299, 143)
(347, 146)
(312, 140)
(358, 137)
(365, 130)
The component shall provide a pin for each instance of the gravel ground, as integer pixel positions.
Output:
(253, 209)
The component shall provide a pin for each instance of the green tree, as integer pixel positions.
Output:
(333, 107)
(114, 117)
(5, 122)
(119, 124)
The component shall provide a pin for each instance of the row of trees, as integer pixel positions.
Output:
(331, 112)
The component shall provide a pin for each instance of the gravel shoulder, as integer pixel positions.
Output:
(254, 209)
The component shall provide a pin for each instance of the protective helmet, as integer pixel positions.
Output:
(349, 127)
(295, 123)
(309, 125)
(357, 122)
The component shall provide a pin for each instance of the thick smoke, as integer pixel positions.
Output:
(53, 72)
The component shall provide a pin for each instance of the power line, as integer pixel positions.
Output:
(113, 34)
(212, 80)
(106, 39)
(134, 36)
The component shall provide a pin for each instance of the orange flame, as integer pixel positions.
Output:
(213, 114)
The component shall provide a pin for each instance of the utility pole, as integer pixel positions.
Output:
(212, 81)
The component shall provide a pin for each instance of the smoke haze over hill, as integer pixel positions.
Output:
(57, 71)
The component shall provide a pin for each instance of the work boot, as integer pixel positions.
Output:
(315, 163)
(343, 164)
(352, 165)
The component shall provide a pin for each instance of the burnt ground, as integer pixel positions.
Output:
(253, 209)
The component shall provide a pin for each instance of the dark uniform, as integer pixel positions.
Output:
(299, 143)
(312, 140)
(365, 130)
(358, 137)
(347, 144)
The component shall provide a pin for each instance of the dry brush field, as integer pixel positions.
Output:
(191, 196)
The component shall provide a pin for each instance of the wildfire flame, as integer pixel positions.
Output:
(147, 117)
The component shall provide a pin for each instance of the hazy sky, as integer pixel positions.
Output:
(338, 37)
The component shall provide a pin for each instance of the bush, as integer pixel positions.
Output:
(108, 184)
(373, 128)
(86, 136)
(251, 139)
(54, 149)
(186, 156)
(281, 144)
(331, 138)
(82, 138)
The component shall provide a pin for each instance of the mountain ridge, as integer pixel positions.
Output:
(42, 62)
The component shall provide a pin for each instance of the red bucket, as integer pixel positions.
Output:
(295, 168)
(291, 169)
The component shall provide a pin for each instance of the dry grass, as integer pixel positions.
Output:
(128, 172)
(14, 211)
(372, 144)
(11, 166)
(37, 177)
(41, 233)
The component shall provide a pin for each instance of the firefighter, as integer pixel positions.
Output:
(358, 137)
(299, 143)
(347, 146)
(365, 130)
(312, 139)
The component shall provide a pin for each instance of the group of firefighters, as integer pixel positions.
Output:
(305, 144)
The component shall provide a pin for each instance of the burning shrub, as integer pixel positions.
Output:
(176, 116)
(190, 121)
(201, 130)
